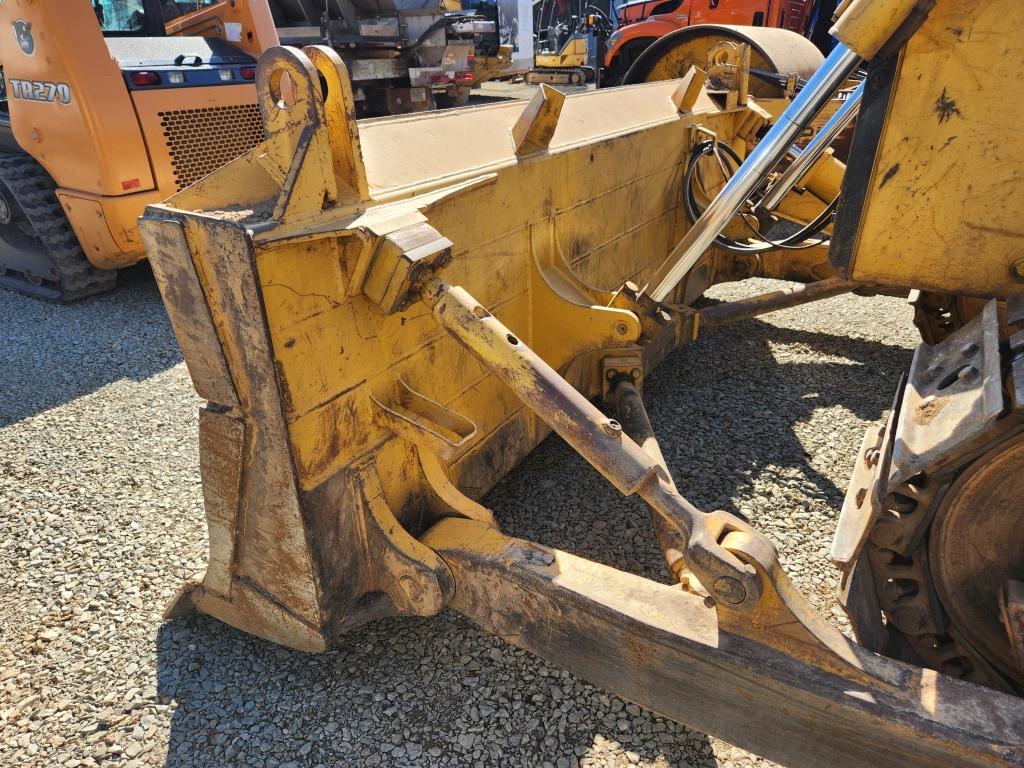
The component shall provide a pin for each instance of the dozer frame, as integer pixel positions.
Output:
(375, 360)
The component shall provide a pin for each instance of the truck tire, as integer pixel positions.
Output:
(460, 99)
(39, 253)
(613, 74)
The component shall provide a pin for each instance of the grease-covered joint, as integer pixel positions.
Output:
(665, 326)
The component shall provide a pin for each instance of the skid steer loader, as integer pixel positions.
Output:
(375, 359)
(109, 105)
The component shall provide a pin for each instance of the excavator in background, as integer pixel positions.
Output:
(568, 49)
(382, 328)
(110, 105)
(642, 22)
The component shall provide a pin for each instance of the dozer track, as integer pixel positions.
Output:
(39, 252)
(928, 530)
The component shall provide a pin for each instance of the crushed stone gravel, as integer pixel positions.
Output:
(101, 520)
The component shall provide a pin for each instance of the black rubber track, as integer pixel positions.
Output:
(34, 190)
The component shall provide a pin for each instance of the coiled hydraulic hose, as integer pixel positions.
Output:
(806, 237)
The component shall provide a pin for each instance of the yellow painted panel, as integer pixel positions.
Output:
(946, 181)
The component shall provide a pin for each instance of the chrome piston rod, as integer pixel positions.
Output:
(771, 149)
(815, 149)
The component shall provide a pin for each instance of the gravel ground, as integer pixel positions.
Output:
(101, 519)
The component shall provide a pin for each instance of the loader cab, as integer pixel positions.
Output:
(146, 18)
(136, 34)
(128, 17)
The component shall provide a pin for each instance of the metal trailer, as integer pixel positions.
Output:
(402, 55)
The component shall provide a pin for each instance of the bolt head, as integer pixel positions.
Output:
(871, 457)
(729, 590)
(612, 427)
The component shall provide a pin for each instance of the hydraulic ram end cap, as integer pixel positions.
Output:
(865, 26)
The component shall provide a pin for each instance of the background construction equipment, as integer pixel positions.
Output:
(642, 22)
(406, 56)
(569, 50)
(111, 106)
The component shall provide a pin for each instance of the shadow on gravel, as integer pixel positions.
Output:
(730, 405)
(52, 353)
(404, 692)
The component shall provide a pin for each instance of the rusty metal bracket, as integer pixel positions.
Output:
(400, 257)
(625, 363)
(865, 494)
(415, 579)
(535, 127)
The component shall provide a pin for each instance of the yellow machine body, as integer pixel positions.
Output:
(948, 161)
(603, 208)
(382, 328)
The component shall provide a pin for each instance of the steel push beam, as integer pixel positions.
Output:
(783, 298)
(664, 649)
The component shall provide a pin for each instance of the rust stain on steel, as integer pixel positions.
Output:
(930, 409)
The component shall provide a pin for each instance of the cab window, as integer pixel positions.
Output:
(120, 15)
(172, 9)
(143, 17)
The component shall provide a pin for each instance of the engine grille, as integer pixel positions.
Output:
(200, 141)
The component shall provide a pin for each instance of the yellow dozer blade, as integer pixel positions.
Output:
(386, 317)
